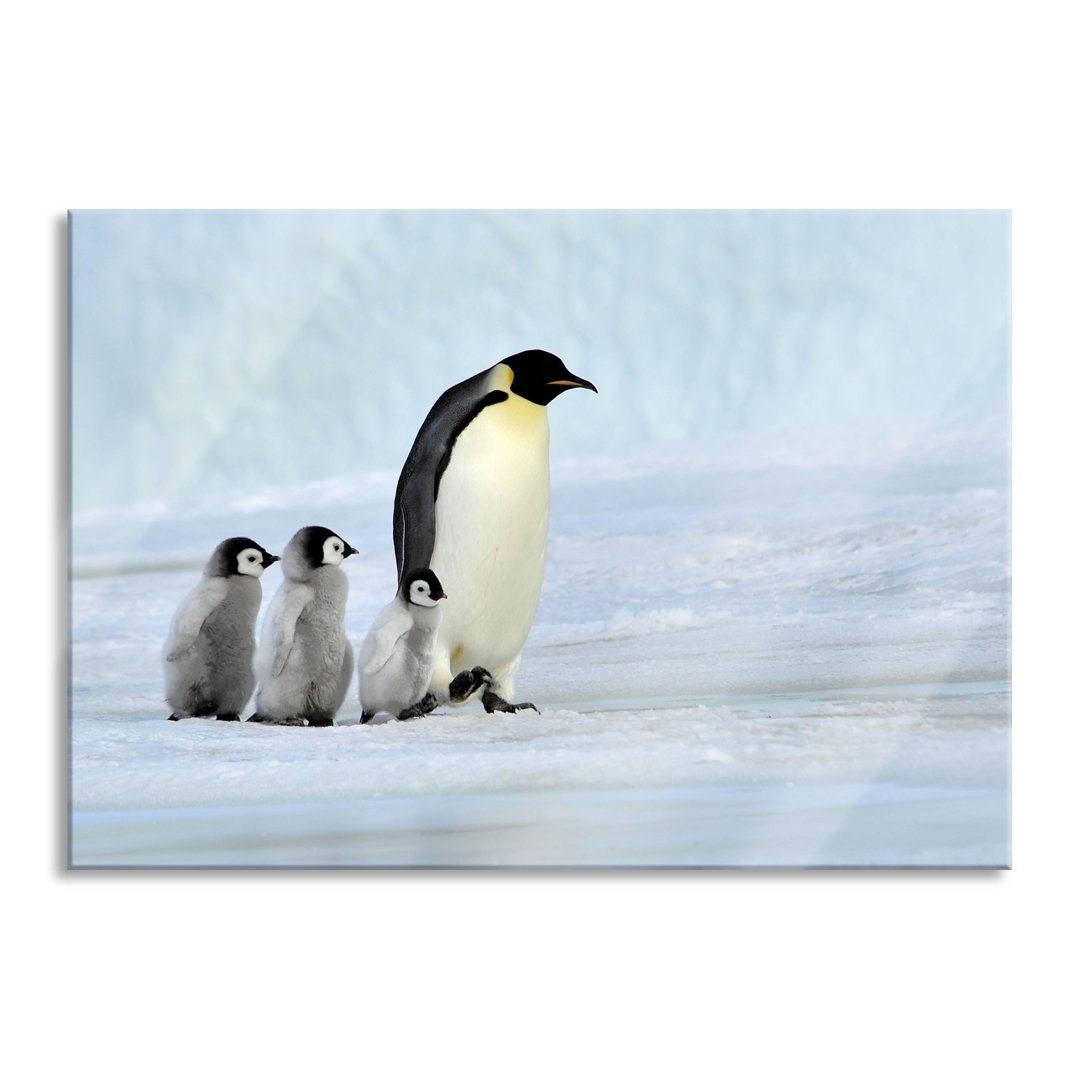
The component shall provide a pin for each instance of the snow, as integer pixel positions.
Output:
(746, 653)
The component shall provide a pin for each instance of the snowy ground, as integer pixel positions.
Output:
(766, 650)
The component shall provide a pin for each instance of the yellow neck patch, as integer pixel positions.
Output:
(515, 409)
(502, 377)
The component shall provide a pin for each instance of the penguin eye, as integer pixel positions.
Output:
(251, 558)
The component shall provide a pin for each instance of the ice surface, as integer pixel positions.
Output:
(749, 651)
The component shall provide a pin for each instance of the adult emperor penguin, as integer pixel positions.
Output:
(472, 505)
(305, 660)
(395, 659)
(207, 657)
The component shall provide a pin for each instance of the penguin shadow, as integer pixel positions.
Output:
(376, 721)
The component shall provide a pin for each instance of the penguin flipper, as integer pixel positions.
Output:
(418, 484)
(191, 615)
(285, 626)
(344, 678)
(380, 643)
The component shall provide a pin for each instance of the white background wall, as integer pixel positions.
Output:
(946, 104)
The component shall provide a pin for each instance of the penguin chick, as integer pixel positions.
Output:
(396, 657)
(304, 662)
(208, 654)
(472, 504)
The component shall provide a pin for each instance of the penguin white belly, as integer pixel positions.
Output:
(491, 523)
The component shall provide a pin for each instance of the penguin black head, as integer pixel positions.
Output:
(319, 546)
(423, 587)
(540, 376)
(239, 555)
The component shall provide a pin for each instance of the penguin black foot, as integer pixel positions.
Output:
(320, 721)
(425, 705)
(229, 716)
(494, 703)
(365, 717)
(174, 717)
(278, 721)
(466, 683)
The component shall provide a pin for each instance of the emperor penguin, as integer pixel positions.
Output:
(472, 505)
(396, 657)
(304, 662)
(208, 654)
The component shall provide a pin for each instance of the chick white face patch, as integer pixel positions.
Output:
(333, 551)
(420, 593)
(249, 562)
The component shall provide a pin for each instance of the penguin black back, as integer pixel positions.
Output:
(418, 484)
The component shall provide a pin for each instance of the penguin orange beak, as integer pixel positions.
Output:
(574, 381)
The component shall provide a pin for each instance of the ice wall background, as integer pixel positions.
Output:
(223, 352)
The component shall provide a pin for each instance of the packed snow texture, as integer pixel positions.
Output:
(786, 663)
(774, 629)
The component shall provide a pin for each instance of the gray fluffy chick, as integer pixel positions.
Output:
(208, 655)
